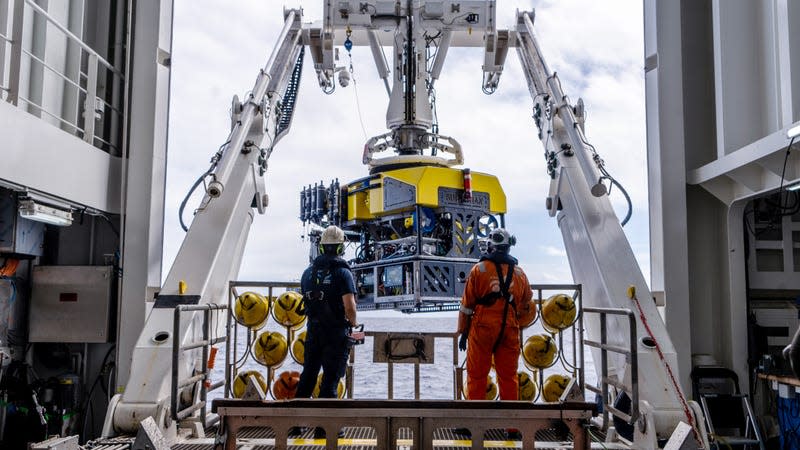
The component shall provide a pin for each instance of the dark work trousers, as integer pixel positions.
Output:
(325, 348)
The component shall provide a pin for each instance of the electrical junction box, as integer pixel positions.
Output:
(403, 348)
(71, 304)
(18, 235)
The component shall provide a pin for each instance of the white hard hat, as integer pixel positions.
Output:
(500, 236)
(332, 235)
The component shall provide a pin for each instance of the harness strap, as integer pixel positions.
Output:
(489, 299)
(504, 286)
(323, 305)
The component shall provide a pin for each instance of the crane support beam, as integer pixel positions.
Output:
(212, 250)
(599, 253)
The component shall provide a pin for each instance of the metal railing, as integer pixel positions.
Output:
(233, 363)
(385, 417)
(410, 359)
(97, 119)
(395, 424)
(201, 379)
(631, 357)
(570, 356)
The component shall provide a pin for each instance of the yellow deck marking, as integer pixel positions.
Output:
(404, 442)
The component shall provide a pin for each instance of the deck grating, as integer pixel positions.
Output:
(453, 439)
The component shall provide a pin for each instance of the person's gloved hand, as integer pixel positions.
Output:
(462, 342)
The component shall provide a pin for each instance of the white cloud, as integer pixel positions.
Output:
(550, 250)
(596, 48)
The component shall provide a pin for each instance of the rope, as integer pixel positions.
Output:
(689, 418)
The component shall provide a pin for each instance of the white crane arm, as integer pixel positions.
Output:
(599, 253)
(212, 250)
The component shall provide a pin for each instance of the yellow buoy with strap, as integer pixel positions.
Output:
(270, 348)
(540, 351)
(289, 310)
(241, 380)
(491, 389)
(527, 387)
(559, 311)
(526, 314)
(339, 387)
(299, 348)
(251, 310)
(554, 386)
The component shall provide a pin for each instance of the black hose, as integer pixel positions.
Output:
(189, 194)
(627, 199)
(616, 183)
(214, 161)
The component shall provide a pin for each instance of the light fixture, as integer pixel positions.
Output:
(30, 209)
(793, 132)
(793, 187)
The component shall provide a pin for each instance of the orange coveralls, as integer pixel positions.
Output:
(485, 329)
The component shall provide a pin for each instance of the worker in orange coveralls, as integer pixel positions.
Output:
(497, 291)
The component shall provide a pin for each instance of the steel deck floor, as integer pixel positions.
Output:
(362, 438)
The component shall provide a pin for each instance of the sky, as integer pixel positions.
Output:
(595, 47)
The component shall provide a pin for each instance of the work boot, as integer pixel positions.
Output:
(319, 433)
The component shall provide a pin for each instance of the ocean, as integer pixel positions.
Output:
(370, 379)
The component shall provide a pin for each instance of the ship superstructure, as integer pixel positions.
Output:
(85, 92)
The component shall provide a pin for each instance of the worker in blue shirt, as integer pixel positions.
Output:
(329, 294)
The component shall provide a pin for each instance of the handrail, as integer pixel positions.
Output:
(54, 116)
(63, 121)
(69, 34)
(390, 364)
(202, 377)
(55, 71)
(630, 353)
(572, 361)
(395, 423)
(87, 115)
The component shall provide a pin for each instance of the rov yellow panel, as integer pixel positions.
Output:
(358, 203)
(428, 180)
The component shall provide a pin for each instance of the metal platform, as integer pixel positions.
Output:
(402, 424)
(364, 438)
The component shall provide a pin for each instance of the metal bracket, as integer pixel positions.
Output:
(149, 437)
(681, 438)
(253, 390)
(572, 393)
(171, 301)
(248, 146)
